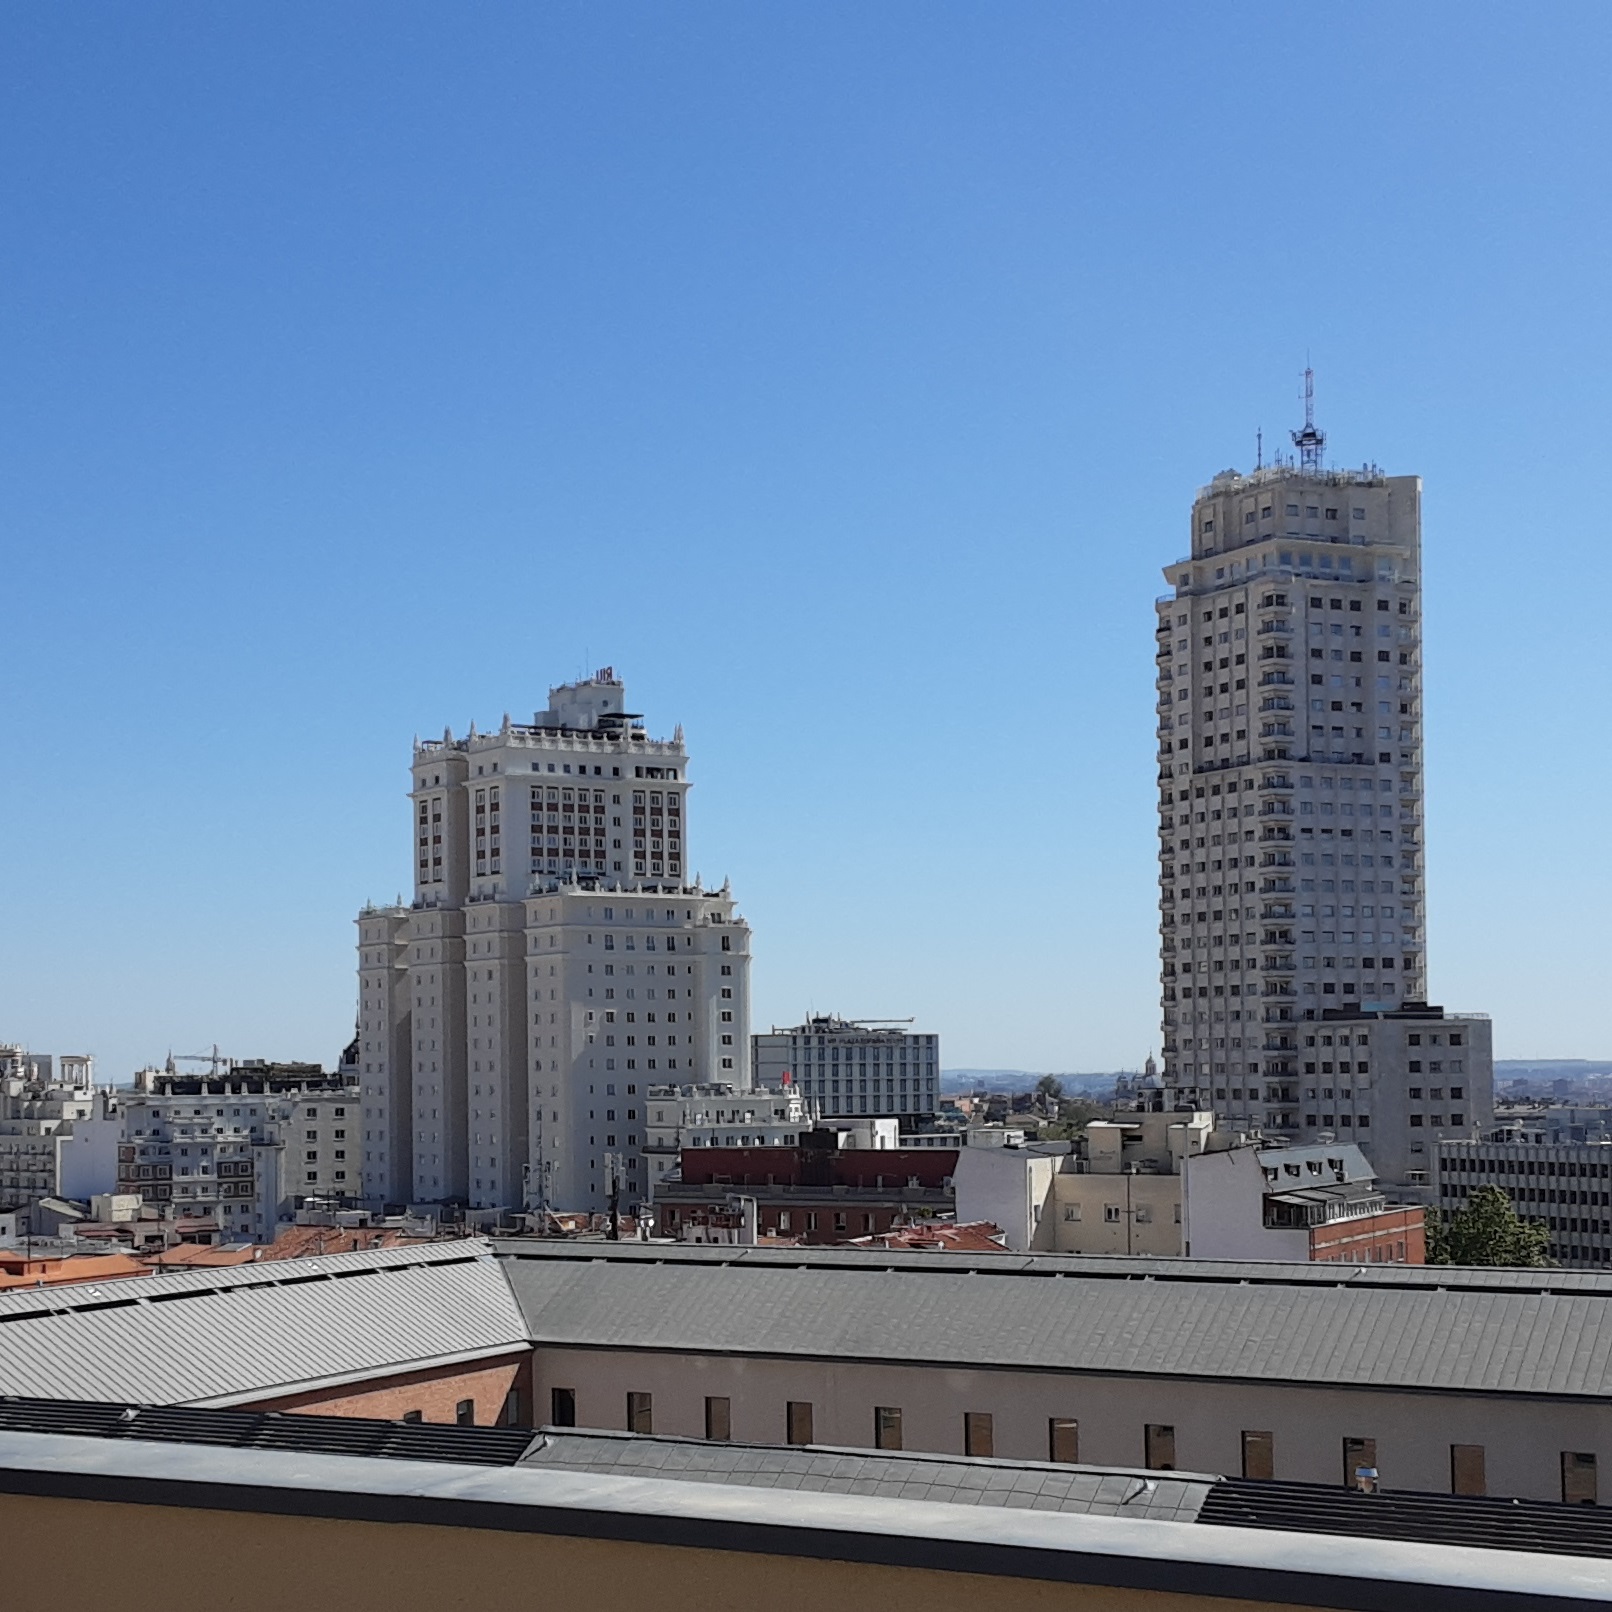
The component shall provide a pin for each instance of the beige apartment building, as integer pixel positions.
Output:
(1172, 1185)
(1117, 1193)
(559, 957)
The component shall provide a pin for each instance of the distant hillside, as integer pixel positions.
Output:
(1550, 1068)
(1561, 1066)
(953, 1081)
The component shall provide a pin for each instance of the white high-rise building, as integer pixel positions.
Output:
(1290, 777)
(557, 960)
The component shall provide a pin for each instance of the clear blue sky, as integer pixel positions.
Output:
(841, 373)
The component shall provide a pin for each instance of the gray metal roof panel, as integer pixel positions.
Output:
(1113, 1267)
(236, 1333)
(1457, 1337)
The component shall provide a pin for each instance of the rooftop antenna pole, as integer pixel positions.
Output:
(1310, 442)
(1259, 447)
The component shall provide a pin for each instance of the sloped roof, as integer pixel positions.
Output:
(250, 1332)
(1169, 1318)
(231, 1335)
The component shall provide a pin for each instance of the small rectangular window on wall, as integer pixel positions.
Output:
(798, 1421)
(1159, 1447)
(1466, 1469)
(1063, 1439)
(512, 1408)
(640, 1417)
(1578, 1478)
(563, 1407)
(464, 1413)
(977, 1435)
(1359, 1455)
(1259, 1455)
(887, 1427)
(718, 1417)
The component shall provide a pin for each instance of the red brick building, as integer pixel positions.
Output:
(1393, 1236)
(814, 1194)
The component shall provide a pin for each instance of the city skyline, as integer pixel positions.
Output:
(860, 461)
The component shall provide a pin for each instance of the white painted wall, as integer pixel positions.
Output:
(1523, 1438)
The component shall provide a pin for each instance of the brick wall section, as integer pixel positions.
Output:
(1394, 1237)
(860, 1169)
(435, 1393)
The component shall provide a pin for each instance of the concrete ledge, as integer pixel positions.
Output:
(1173, 1559)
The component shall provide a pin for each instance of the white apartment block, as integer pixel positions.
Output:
(245, 1148)
(557, 960)
(846, 1067)
(718, 1116)
(1290, 774)
(39, 1105)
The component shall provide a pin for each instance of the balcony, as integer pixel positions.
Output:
(1282, 910)
(1284, 628)
(1276, 679)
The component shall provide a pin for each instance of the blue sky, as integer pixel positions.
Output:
(841, 373)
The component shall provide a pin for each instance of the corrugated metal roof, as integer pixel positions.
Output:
(821, 1469)
(1109, 1267)
(230, 1335)
(1027, 1314)
(236, 1334)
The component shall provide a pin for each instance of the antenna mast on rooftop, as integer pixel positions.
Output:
(1309, 441)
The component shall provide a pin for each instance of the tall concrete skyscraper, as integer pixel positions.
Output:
(558, 958)
(1290, 782)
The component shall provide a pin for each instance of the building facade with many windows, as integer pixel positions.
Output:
(849, 1067)
(558, 958)
(1290, 773)
(1564, 1186)
(1291, 854)
(41, 1098)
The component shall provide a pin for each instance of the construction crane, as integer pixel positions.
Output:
(216, 1060)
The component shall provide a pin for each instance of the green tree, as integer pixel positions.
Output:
(1485, 1230)
(1049, 1088)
